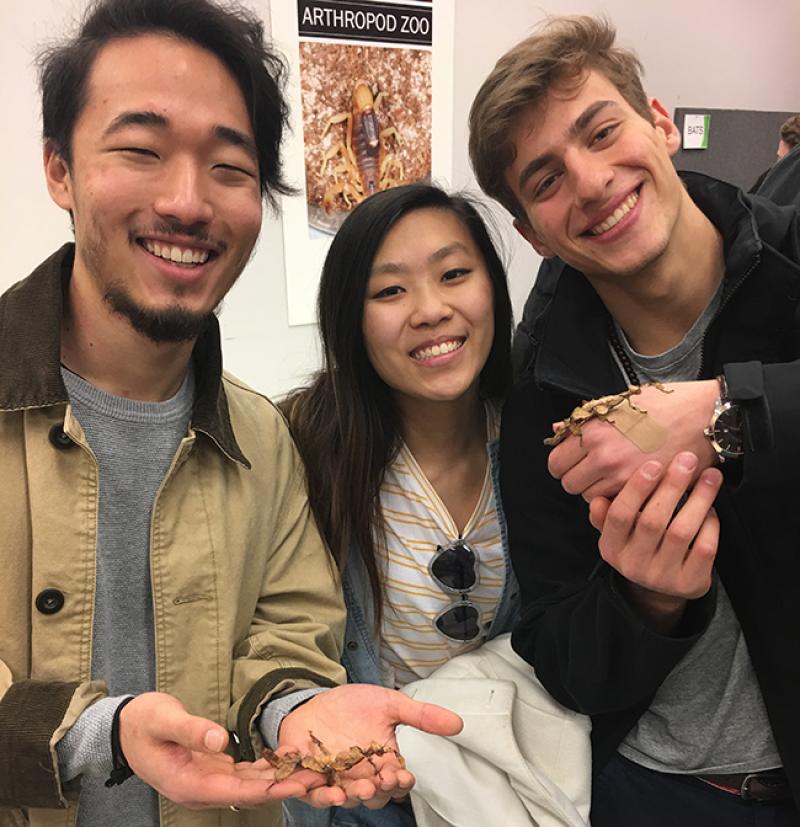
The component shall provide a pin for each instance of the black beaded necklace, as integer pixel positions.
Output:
(624, 359)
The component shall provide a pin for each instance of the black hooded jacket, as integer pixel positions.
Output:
(589, 648)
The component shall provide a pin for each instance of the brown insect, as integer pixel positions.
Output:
(328, 763)
(600, 408)
(367, 158)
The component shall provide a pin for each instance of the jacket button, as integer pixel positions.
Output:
(352, 645)
(49, 601)
(59, 439)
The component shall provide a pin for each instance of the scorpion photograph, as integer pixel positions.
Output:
(366, 124)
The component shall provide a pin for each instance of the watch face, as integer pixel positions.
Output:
(728, 432)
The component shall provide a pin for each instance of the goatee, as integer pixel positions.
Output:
(173, 324)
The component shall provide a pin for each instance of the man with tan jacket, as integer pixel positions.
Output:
(163, 580)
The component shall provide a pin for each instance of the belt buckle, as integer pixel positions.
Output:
(763, 786)
(744, 790)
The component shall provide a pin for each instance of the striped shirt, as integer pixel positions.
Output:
(416, 522)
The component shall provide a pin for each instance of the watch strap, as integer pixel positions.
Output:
(723, 407)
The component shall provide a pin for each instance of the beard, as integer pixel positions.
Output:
(165, 325)
(172, 324)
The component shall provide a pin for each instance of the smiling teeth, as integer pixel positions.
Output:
(437, 350)
(177, 255)
(621, 211)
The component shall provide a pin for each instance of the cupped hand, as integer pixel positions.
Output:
(361, 715)
(663, 545)
(181, 756)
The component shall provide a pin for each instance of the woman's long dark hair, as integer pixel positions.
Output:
(345, 423)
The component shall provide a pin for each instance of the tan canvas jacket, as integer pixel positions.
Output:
(245, 599)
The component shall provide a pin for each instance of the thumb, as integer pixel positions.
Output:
(191, 731)
(428, 717)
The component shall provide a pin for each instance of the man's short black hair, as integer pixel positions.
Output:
(232, 33)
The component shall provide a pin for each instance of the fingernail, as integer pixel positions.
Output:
(651, 470)
(214, 740)
(687, 461)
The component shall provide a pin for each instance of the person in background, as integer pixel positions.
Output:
(781, 182)
(163, 579)
(789, 136)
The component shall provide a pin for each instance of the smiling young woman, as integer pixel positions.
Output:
(398, 433)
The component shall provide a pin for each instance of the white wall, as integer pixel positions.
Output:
(714, 53)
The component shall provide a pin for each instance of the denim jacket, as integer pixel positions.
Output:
(361, 658)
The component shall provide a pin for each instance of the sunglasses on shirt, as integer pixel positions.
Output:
(454, 568)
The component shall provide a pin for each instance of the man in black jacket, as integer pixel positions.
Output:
(674, 630)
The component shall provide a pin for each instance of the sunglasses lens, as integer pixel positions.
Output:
(459, 622)
(454, 568)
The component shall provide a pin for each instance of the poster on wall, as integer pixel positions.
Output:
(371, 108)
(695, 131)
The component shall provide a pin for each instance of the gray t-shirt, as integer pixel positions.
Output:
(708, 716)
(134, 444)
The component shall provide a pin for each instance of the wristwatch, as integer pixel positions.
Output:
(725, 429)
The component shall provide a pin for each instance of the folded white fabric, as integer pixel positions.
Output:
(521, 759)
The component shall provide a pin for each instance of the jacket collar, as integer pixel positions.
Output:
(571, 331)
(30, 344)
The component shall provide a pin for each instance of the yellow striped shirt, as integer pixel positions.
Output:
(416, 521)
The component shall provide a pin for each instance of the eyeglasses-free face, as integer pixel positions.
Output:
(428, 319)
(597, 182)
(163, 185)
(454, 568)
